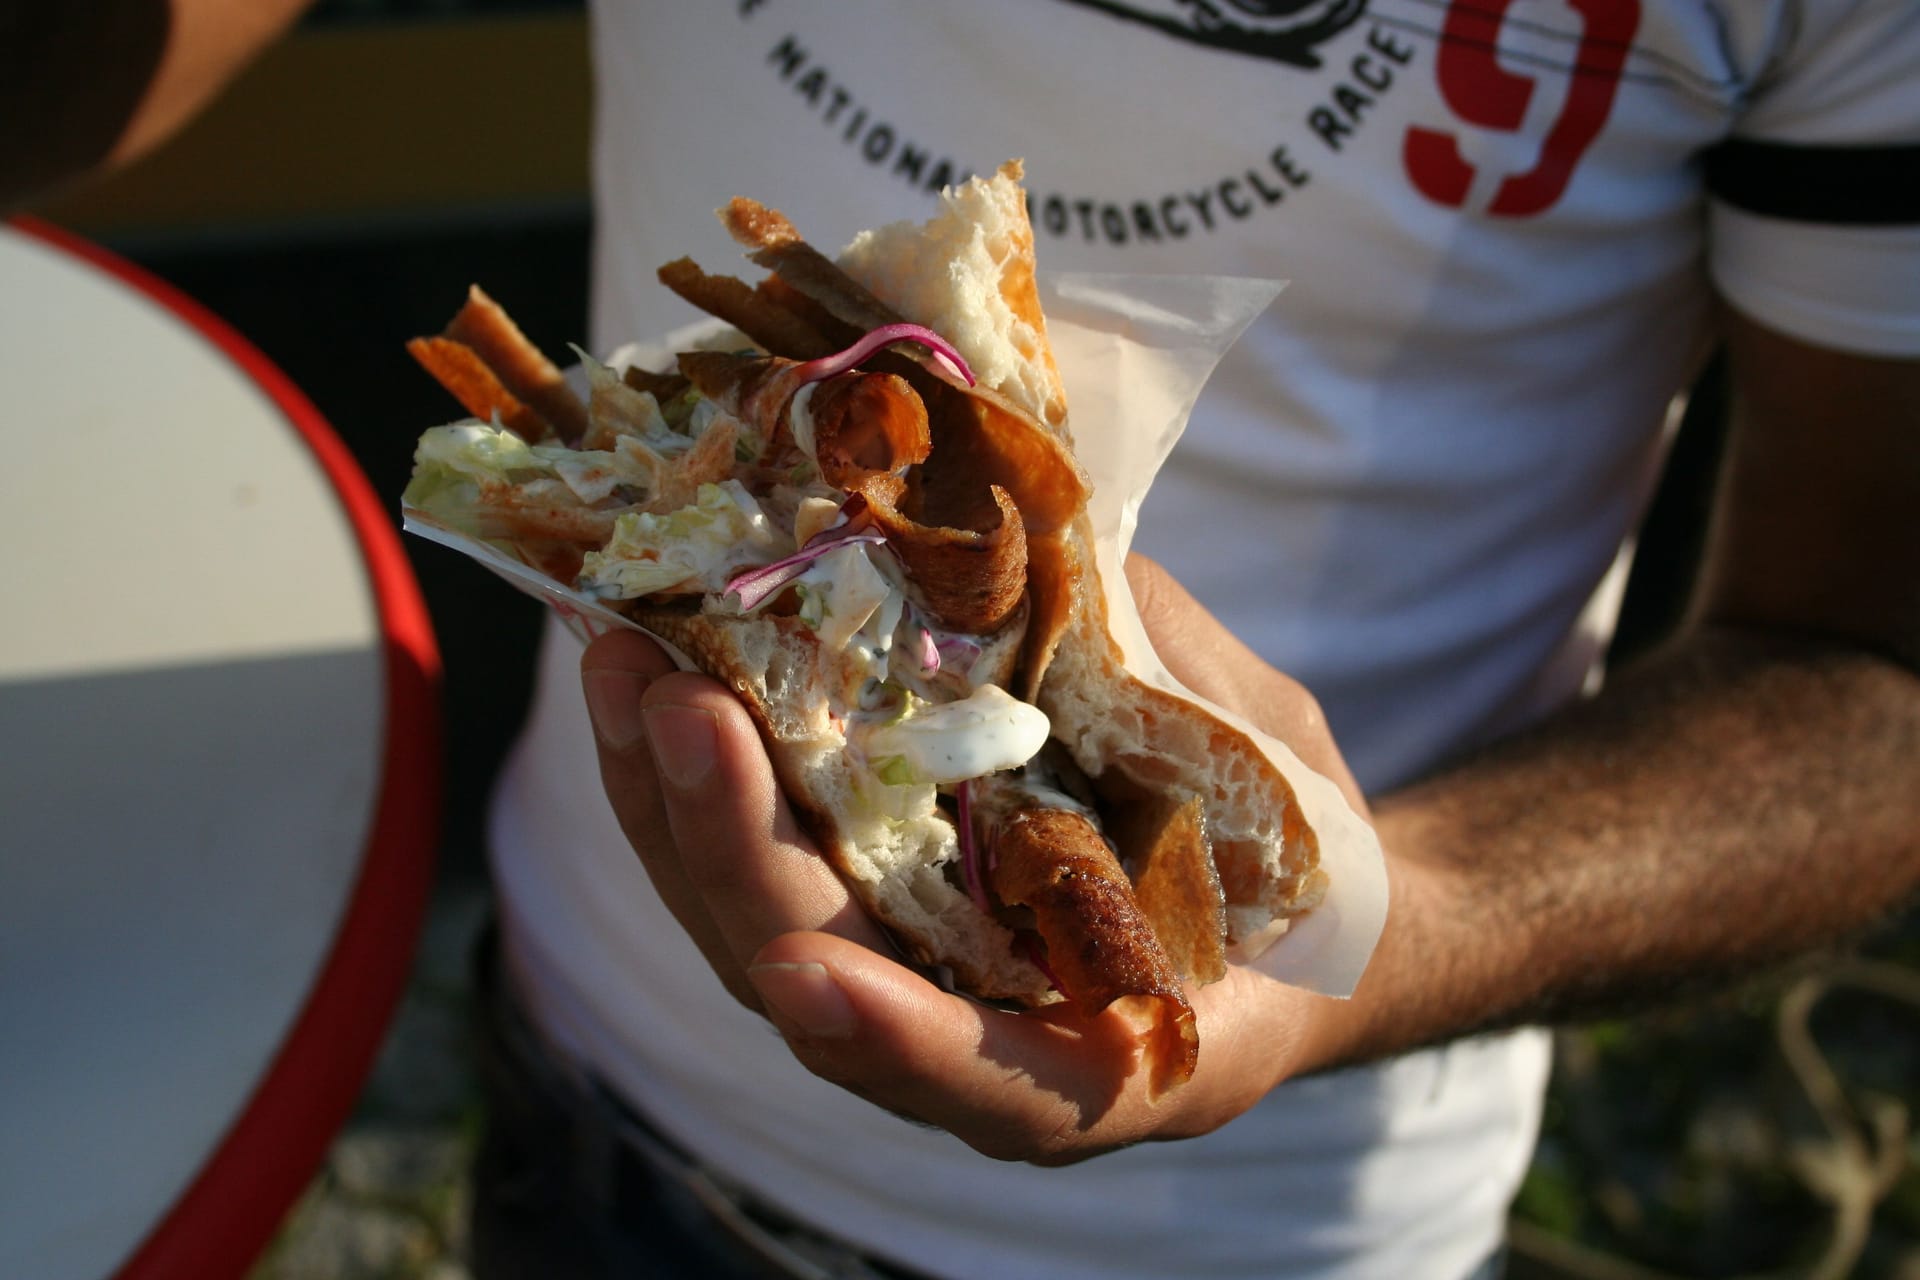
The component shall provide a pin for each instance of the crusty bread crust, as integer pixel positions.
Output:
(969, 276)
(1267, 854)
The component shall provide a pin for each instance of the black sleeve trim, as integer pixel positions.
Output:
(1847, 186)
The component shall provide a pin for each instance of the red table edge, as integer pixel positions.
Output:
(224, 1219)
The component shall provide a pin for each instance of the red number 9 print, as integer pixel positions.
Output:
(1482, 92)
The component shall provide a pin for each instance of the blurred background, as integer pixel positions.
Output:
(340, 198)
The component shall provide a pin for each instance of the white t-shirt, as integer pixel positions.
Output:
(1409, 486)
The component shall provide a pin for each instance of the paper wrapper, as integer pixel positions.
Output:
(1134, 352)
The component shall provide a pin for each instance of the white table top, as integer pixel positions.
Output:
(193, 705)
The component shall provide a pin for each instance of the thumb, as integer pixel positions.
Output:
(1213, 662)
(1192, 644)
(614, 671)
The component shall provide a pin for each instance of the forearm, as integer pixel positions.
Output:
(1735, 801)
(103, 81)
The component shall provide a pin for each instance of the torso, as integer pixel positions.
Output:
(1405, 487)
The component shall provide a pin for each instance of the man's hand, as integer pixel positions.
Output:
(1740, 798)
(696, 796)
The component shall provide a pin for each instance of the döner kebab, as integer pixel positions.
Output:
(860, 509)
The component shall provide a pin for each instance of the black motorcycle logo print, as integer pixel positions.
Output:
(1282, 30)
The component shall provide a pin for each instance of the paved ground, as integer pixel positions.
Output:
(1703, 1174)
(391, 1201)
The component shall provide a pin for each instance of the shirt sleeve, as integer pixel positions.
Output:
(1814, 200)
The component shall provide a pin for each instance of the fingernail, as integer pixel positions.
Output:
(806, 996)
(613, 703)
(682, 740)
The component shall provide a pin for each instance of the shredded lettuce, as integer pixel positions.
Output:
(473, 450)
(695, 547)
(853, 591)
(457, 468)
(895, 771)
(813, 605)
(627, 411)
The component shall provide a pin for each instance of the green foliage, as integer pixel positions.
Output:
(1723, 1138)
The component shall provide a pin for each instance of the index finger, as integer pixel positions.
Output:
(615, 671)
(757, 873)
